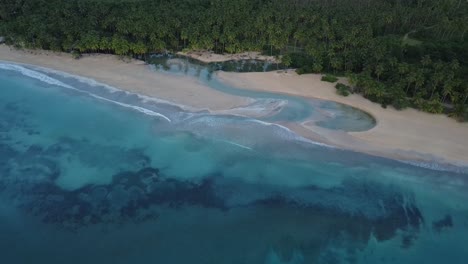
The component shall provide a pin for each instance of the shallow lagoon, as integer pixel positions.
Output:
(323, 113)
(86, 180)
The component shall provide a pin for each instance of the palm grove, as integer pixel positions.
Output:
(396, 52)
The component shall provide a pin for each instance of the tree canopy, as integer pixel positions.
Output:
(396, 52)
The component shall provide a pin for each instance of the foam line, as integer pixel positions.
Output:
(33, 74)
(297, 137)
(44, 78)
(40, 73)
(436, 166)
(212, 121)
(236, 144)
(112, 89)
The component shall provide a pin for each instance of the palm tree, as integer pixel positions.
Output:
(379, 69)
(454, 65)
(447, 90)
(426, 61)
(403, 69)
(335, 64)
(465, 93)
(418, 81)
(410, 79)
(286, 60)
(436, 78)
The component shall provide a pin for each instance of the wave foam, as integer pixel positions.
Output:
(112, 89)
(237, 144)
(436, 166)
(47, 79)
(214, 122)
(40, 73)
(295, 135)
(33, 74)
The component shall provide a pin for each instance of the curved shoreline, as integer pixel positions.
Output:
(424, 138)
(399, 134)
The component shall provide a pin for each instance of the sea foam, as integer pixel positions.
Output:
(49, 80)
(192, 115)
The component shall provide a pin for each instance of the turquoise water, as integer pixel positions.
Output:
(84, 179)
(325, 114)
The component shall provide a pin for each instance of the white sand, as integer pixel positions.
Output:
(132, 75)
(408, 134)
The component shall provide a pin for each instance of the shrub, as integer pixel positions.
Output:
(433, 106)
(343, 92)
(400, 103)
(300, 60)
(329, 78)
(342, 89)
(460, 112)
(76, 54)
(300, 71)
(286, 60)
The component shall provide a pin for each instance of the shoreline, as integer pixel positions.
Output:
(407, 136)
(129, 75)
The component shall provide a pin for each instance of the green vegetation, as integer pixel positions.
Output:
(342, 89)
(329, 78)
(410, 41)
(400, 53)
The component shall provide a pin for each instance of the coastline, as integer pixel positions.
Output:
(399, 134)
(407, 135)
(130, 75)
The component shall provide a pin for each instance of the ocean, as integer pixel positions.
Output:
(92, 174)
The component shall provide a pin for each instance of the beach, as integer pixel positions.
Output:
(400, 134)
(404, 135)
(127, 74)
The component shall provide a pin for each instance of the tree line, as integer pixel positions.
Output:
(396, 52)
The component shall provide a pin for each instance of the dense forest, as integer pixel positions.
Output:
(396, 52)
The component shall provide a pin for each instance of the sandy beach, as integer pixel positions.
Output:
(407, 134)
(130, 75)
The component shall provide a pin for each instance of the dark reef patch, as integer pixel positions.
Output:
(138, 193)
(443, 223)
(136, 196)
(361, 208)
(130, 197)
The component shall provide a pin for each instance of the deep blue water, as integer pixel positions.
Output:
(86, 180)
